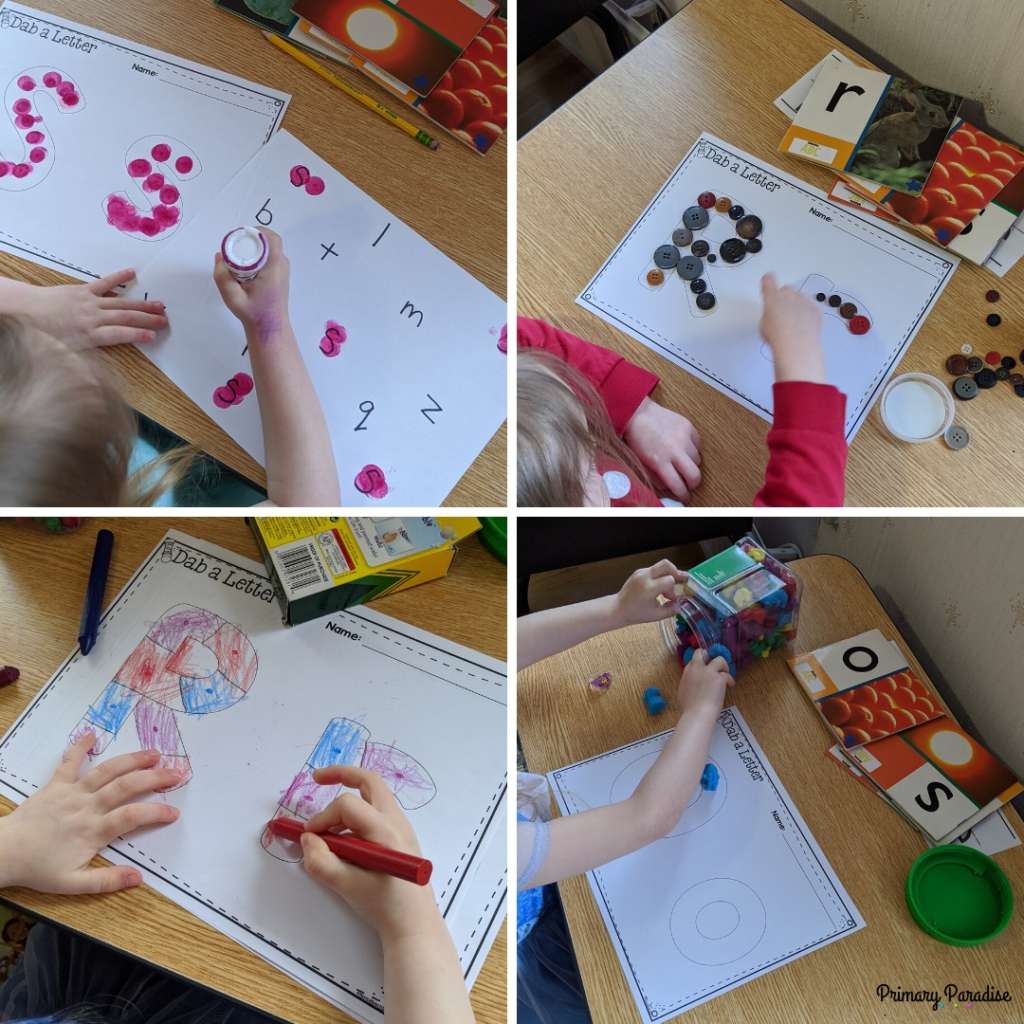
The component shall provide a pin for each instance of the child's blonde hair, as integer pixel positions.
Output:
(66, 435)
(563, 427)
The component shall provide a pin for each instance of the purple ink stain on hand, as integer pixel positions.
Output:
(334, 337)
(161, 152)
(370, 480)
(298, 175)
(315, 186)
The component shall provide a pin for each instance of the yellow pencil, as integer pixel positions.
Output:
(367, 101)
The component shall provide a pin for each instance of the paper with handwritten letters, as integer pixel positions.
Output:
(108, 147)
(406, 350)
(192, 660)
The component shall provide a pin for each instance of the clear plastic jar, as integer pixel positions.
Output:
(750, 610)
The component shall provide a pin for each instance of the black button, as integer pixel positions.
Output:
(965, 388)
(700, 248)
(754, 245)
(666, 256)
(712, 258)
(748, 226)
(1019, 390)
(821, 296)
(985, 378)
(974, 364)
(1002, 373)
(698, 285)
(733, 250)
(1016, 378)
(835, 301)
(993, 319)
(736, 211)
(705, 301)
(1009, 362)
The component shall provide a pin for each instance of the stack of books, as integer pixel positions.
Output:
(896, 737)
(446, 59)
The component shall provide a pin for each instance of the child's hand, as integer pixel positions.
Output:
(668, 445)
(47, 842)
(92, 315)
(791, 324)
(392, 907)
(637, 601)
(262, 303)
(703, 684)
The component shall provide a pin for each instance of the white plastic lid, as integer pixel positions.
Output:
(244, 248)
(916, 407)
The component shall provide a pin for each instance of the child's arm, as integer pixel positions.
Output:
(542, 634)
(581, 842)
(300, 459)
(423, 981)
(47, 842)
(85, 315)
(807, 447)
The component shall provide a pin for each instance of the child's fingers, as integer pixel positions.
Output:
(230, 290)
(370, 785)
(719, 664)
(671, 480)
(74, 757)
(769, 287)
(113, 335)
(140, 306)
(135, 816)
(663, 568)
(321, 865)
(355, 813)
(96, 880)
(687, 469)
(111, 281)
(130, 318)
(105, 773)
(136, 785)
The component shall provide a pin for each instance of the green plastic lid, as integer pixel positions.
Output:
(494, 536)
(959, 895)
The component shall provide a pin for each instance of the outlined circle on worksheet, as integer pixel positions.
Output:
(703, 804)
(717, 921)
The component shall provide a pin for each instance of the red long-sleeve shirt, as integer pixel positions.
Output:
(806, 446)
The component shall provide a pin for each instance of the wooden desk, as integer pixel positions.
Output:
(453, 197)
(587, 172)
(42, 582)
(869, 846)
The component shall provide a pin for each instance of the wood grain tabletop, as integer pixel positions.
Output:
(562, 720)
(42, 583)
(453, 197)
(588, 171)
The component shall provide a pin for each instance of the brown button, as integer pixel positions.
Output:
(974, 364)
(655, 276)
(1016, 379)
(722, 204)
(847, 309)
(749, 226)
(956, 365)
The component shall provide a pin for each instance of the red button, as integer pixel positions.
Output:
(706, 199)
(993, 358)
(859, 324)
(992, 296)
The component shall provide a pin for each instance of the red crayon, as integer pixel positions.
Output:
(361, 852)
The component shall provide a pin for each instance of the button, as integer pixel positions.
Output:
(859, 324)
(974, 364)
(666, 256)
(737, 211)
(712, 258)
(1019, 390)
(992, 295)
(732, 250)
(706, 200)
(966, 348)
(689, 267)
(753, 245)
(992, 358)
(835, 301)
(821, 296)
(705, 301)
(965, 388)
(682, 237)
(655, 276)
(1016, 378)
(695, 218)
(956, 365)
(847, 309)
(722, 204)
(985, 378)
(956, 436)
(698, 285)
(993, 319)
(1002, 373)
(700, 248)
(748, 226)
(1009, 362)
